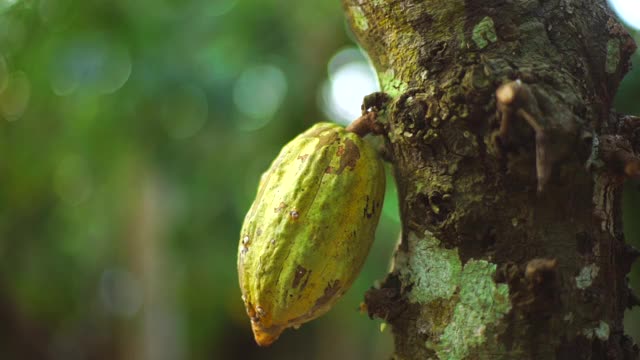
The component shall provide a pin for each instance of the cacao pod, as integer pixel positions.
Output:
(310, 228)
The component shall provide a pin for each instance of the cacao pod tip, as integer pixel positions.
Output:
(265, 337)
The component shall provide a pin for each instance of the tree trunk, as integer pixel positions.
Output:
(509, 162)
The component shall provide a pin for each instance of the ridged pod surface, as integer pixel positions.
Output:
(310, 228)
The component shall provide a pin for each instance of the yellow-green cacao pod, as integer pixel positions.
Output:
(310, 228)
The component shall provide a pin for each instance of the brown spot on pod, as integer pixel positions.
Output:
(369, 208)
(243, 252)
(280, 207)
(294, 214)
(245, 249)
(301, 277)
(350, 156)
(329, 292)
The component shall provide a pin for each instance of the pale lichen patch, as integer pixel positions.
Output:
(433, 271)
(601, 332)
(391, 85)
(613, 56)
(359, 19)
(586, 276)
(482, 303)
(473, 302)
(568, 317)
(484, 32)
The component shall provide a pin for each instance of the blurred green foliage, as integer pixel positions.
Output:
(133, 135)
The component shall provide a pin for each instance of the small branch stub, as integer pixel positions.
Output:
(541, 272)
(372, 105)
(366, 124)
(515, 100)
(535, 290)
(618, 155)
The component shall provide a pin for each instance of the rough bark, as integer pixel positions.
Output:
(512, 244)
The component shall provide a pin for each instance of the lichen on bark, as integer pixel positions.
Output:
(482, 303)
(433, 272)
(484, 33)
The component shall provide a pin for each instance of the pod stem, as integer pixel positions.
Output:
(366, 124)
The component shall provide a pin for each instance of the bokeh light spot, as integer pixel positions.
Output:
(62, 78)
(72, 180)
(351, 78)
(120, 292)
(628, 11)
(14, 99)
(116, 68)
(258, 93)
(91, 63)
(222, 59)
(342, 57)
(6, 4)
(184, 111)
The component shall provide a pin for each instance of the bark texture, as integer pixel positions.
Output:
(512, 244)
